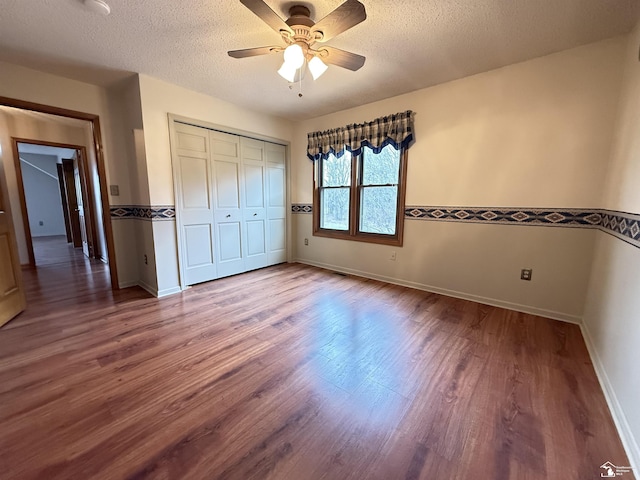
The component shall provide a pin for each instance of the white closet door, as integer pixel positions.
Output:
(195, 203)
(254, 203)
(276, 203)
(225, 156)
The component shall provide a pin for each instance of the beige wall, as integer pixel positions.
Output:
(121, 123)
(161, 98)
(31, 85)
(612, 312)
(141, 169)
(34, 86)
(474, 261)
(534, 134)
(158, 100)
(622, 186)
(125, 113)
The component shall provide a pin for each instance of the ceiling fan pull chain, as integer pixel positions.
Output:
(300, 82)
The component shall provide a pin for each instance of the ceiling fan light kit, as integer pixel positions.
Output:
(301, 34)
(317, 67)
(288, 72)
(98, 6)
(294, 56)
(294, 59)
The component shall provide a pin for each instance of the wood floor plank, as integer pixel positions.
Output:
(290, 372)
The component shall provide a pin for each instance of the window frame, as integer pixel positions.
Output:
(355, 189)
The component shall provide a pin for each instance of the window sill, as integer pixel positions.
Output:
(361, 237)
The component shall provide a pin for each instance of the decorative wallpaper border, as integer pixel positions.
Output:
(144, 212)
(566, 217)
(623, 225)
(301, 208)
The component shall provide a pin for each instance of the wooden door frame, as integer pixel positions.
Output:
(94, 120)
(64, 201)
(71, 194)
(87, 193)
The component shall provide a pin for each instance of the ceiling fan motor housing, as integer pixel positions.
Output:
(300, 22)
(300, 15)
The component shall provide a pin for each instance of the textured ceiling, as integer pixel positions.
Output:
(409, 45)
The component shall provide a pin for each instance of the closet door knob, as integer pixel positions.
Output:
(255, 214)
(229, 216)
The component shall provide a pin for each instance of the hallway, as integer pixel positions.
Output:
(55, 249)
(64, 278)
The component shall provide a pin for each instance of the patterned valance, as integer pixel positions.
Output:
(396, 130)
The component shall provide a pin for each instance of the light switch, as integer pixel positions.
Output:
(115, 190)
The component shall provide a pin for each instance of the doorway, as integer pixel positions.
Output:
(56, 202)
(93, 214)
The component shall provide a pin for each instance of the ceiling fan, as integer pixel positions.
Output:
(302, 37)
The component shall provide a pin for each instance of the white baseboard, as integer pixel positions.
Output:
(564, 317)
(168, 291)
(152, 290)
(619, 418)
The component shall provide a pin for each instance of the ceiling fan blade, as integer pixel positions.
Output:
(340, 58)
(252, 52)
(267, 15)
(347, 15)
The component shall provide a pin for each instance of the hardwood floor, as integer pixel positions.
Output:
(291, 372)
(54, 249)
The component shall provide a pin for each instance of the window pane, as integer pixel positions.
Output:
(381, 168)
(334, 208)
(336, 172)
(378, 209)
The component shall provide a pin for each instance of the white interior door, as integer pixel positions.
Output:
(225, 155)
(80, 207)
(254, 203)
(194, 203)
(276, 203)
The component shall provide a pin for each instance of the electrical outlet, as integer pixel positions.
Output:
(306, 241)
(145, 259)
(525, 274)
(393, 256)
(115, 190)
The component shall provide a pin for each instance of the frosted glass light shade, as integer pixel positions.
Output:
(98, 6)
(294, 56)
(287, 71)
(317, 67)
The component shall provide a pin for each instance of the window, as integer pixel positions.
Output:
(361, 197)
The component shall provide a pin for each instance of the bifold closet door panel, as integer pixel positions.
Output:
(231, 203)
(254, 203)
(225, 159)
(194, 203)
(276, 203)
